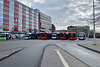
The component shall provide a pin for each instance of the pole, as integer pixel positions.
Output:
(88, 28)
(94, 21)
(6, 32)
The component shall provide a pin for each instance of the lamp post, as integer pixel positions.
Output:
(94, 21)
(56, 27)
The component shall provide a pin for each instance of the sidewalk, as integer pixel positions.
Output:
(91, 46)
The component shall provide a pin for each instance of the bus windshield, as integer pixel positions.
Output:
(54, 35)
(72, 35)
(1, 35)
(81, 35)
(62, 35)
(32, 35)
(43, 35)
(38, 35)
(26, 35)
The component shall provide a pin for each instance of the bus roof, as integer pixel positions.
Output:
(41, 32)
(72, 32)
(64, 32)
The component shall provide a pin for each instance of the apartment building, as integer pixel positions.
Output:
(45, 23)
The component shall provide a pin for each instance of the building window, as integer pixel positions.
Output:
(16, 3)
(16, 11)
(16, 15)
(16, 20)
(16, 7)
(7, 13)
(6, 22)
(5, 17)
(16, 24)
(24, 18)
(6, 8)
(6, 3)
(23, 21)
(24, 25)
(5, 27)
(15, 28)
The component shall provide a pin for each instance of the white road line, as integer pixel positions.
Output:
(61, 58)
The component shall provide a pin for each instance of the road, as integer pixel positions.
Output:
(30, 56)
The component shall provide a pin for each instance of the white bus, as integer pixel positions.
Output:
(81, 36)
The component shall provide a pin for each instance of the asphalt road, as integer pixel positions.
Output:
(89, 57)
(30, 56)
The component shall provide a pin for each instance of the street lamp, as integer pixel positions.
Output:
(94, 21)
(88, 28)
(56, 27)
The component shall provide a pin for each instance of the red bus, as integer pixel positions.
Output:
(39, 35)
(46, 35)
(64, 35)
(72, 36)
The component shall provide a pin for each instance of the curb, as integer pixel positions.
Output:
(89, 48)
(10, 54)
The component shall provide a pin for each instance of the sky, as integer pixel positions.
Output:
(65, 12)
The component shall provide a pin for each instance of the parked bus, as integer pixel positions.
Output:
(34, 35)
(46, 35)
(2, 37)
(72, 36)
(56, 35)
(5, 36)
(26, 37)
(39, 35)
(31, 36)
(64, 35)
(81, 36)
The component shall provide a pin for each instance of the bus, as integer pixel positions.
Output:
(34, 35)
(26, 37)
(72, 36)
(56, 35)
(39, 35)
(64, 35)
(31, 36)
(2, 36)
(5, 36)
(81, 36)
(46, 35)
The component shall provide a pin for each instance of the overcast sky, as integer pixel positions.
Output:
(64, 12)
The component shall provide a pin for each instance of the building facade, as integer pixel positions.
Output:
(45, 23)
(16, 17)
(78, 29)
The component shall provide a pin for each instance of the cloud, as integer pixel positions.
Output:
(39, 1)
(64, 12)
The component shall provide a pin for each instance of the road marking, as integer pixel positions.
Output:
(61, 58)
